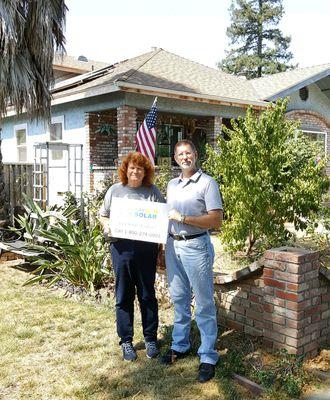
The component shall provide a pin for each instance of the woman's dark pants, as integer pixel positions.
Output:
(134, 264)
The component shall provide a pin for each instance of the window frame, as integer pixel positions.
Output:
(56, 155)
(56, 120)
(17, 128)
(325, 133)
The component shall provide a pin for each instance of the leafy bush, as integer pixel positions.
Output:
(269, 176)
(163, 176)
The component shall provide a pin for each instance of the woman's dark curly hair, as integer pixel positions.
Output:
(141, 161)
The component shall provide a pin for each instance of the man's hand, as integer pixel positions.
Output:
(174, 215)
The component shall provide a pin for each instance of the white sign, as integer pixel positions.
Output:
(139, 220)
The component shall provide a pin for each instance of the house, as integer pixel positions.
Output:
(309, 92)
(95, 116)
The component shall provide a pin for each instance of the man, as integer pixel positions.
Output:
(195, 207)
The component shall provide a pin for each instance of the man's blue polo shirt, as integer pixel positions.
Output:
(192, 197)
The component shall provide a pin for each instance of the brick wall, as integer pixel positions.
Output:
(101, 148)
(126, 128)
(240, 305)
(287, 302)
(313, 121)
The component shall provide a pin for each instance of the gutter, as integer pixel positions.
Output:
(196, 97)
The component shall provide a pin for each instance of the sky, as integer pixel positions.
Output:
(112, 31)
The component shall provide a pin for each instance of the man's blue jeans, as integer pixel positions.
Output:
(189, 265)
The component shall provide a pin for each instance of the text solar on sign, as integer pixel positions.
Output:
(139, 220)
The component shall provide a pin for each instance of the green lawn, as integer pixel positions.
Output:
(57, 348)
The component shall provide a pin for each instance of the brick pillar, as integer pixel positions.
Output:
(126, 128)
(292, 300)
(213, 130)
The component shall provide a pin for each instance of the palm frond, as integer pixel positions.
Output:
(30, 32)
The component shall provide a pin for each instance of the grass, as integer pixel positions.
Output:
(57, 348)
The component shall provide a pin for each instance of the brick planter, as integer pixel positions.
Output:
(287, 301)
(292, 300)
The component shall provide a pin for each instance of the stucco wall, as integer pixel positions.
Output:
(317, 102)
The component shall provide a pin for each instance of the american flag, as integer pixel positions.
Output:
(146, 134)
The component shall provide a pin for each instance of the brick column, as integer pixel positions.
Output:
(126, 128)
(213, 130)
(292, 300)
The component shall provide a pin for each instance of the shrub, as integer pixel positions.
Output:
(162, 178)
(269, 176)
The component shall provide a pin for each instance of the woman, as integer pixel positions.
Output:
(134, 262)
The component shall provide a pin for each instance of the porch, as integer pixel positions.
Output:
(110, 136)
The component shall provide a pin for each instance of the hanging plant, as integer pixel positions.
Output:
(106, 129)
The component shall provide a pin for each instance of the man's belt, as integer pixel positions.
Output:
(186, 237)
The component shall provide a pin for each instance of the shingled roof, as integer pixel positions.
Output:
(164, 73)
(272, 86)
(167, 72)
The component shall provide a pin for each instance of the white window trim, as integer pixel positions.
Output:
(322, 133)
(56, 120)
(18, 128)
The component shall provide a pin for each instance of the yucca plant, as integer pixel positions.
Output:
(35, 219)
(67, 249)
(71, 253)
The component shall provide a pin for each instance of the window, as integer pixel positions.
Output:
(319, 137)
(56, 129)
(167, 137)
(20, 134)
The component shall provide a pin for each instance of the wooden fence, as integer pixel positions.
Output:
(18, 180)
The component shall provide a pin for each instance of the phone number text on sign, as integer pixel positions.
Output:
(139, 220)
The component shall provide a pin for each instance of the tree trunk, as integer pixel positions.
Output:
(260, 33)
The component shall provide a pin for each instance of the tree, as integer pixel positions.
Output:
(259, 47)
(269, 176)
(30, 32)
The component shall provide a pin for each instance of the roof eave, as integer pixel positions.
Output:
(286, 92)
(196, 97)
(62, 98)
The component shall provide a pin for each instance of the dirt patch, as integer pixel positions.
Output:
(321, 362)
